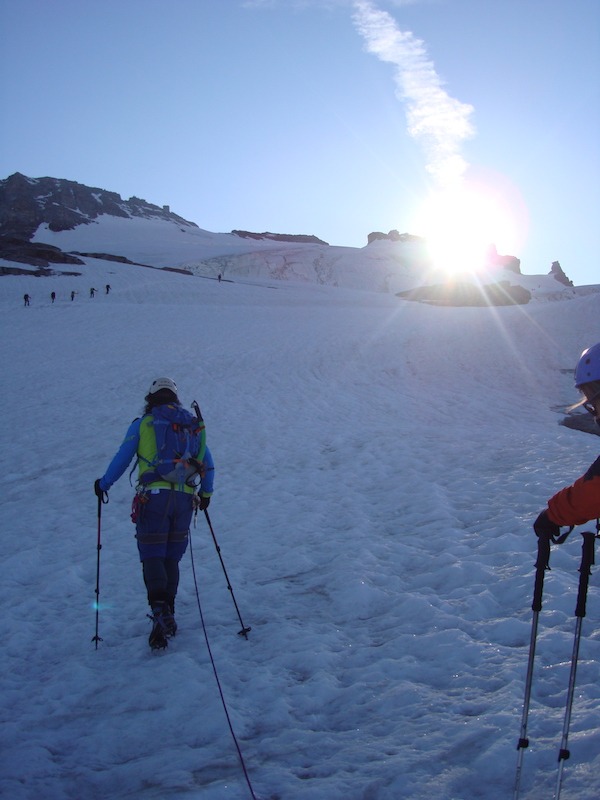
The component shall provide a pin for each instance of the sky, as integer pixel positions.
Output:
(376, 483)
(463, 120)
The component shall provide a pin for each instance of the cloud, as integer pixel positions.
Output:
(437, 121)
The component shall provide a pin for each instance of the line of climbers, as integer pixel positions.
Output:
(93, 291)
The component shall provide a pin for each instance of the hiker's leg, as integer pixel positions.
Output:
(178, 540)
(172, 572)
(155, 580)
(152, 534)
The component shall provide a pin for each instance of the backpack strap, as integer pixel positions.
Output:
(145, 460)
(202, 429)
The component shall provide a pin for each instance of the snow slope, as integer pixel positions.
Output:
(382, 266)
(379, 466)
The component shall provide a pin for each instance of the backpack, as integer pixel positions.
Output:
(180, 446)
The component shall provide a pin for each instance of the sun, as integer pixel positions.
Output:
(463, 223)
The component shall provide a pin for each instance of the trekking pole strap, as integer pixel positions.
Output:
(541, 565)
(563, 537)
(102, 500)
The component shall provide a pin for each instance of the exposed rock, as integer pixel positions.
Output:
(179, 270)
(581, 422)
(110, 257)
(26, 203)
(511, 263)
(393, 236)
(40, 272)
(493, 259)
(36, 254)
(557, 272)
(297, 238)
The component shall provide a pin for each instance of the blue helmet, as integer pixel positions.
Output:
(588, 366)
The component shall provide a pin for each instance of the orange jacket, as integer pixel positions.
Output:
(579, 502)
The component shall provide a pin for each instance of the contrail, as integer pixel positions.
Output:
(439, 122)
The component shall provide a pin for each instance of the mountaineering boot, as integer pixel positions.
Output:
(169, 618)
(158, 635)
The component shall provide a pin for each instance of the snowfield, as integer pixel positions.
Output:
(379, 464)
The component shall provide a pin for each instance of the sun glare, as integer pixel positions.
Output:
(463, 224)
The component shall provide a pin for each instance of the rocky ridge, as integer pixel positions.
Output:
(26, 203)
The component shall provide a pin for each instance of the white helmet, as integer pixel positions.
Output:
(588, 366)
(163, 383)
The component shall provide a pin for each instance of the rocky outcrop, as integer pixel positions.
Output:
(393, 236)
(581, 422)
(511, 263)
(557, 272)
(297, 238)
(26, 203)
(36, 254)
(492, 260)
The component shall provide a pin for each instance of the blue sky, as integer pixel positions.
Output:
(333, 118)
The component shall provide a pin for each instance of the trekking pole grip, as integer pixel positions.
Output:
(587, 560)
(541, 565)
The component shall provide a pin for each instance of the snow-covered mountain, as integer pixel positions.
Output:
(26, 203)
(82, 220)
(379, 466)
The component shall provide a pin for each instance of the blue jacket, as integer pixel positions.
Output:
(129, 449)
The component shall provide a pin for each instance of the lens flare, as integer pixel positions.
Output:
(467, 224)
(100, 606)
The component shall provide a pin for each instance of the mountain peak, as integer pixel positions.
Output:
(26, 203)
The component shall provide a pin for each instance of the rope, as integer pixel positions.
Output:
(212, 661)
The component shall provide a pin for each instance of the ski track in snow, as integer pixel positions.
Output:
(379, 466)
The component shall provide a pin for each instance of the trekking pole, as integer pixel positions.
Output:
(587, 559)
(102, 498)
(541, 565)
(245, 630)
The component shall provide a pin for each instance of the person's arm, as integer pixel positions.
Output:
(578, 503)
(123, 457)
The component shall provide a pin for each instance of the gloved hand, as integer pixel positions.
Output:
(204, 503)
(97, 490)
(543, 526)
